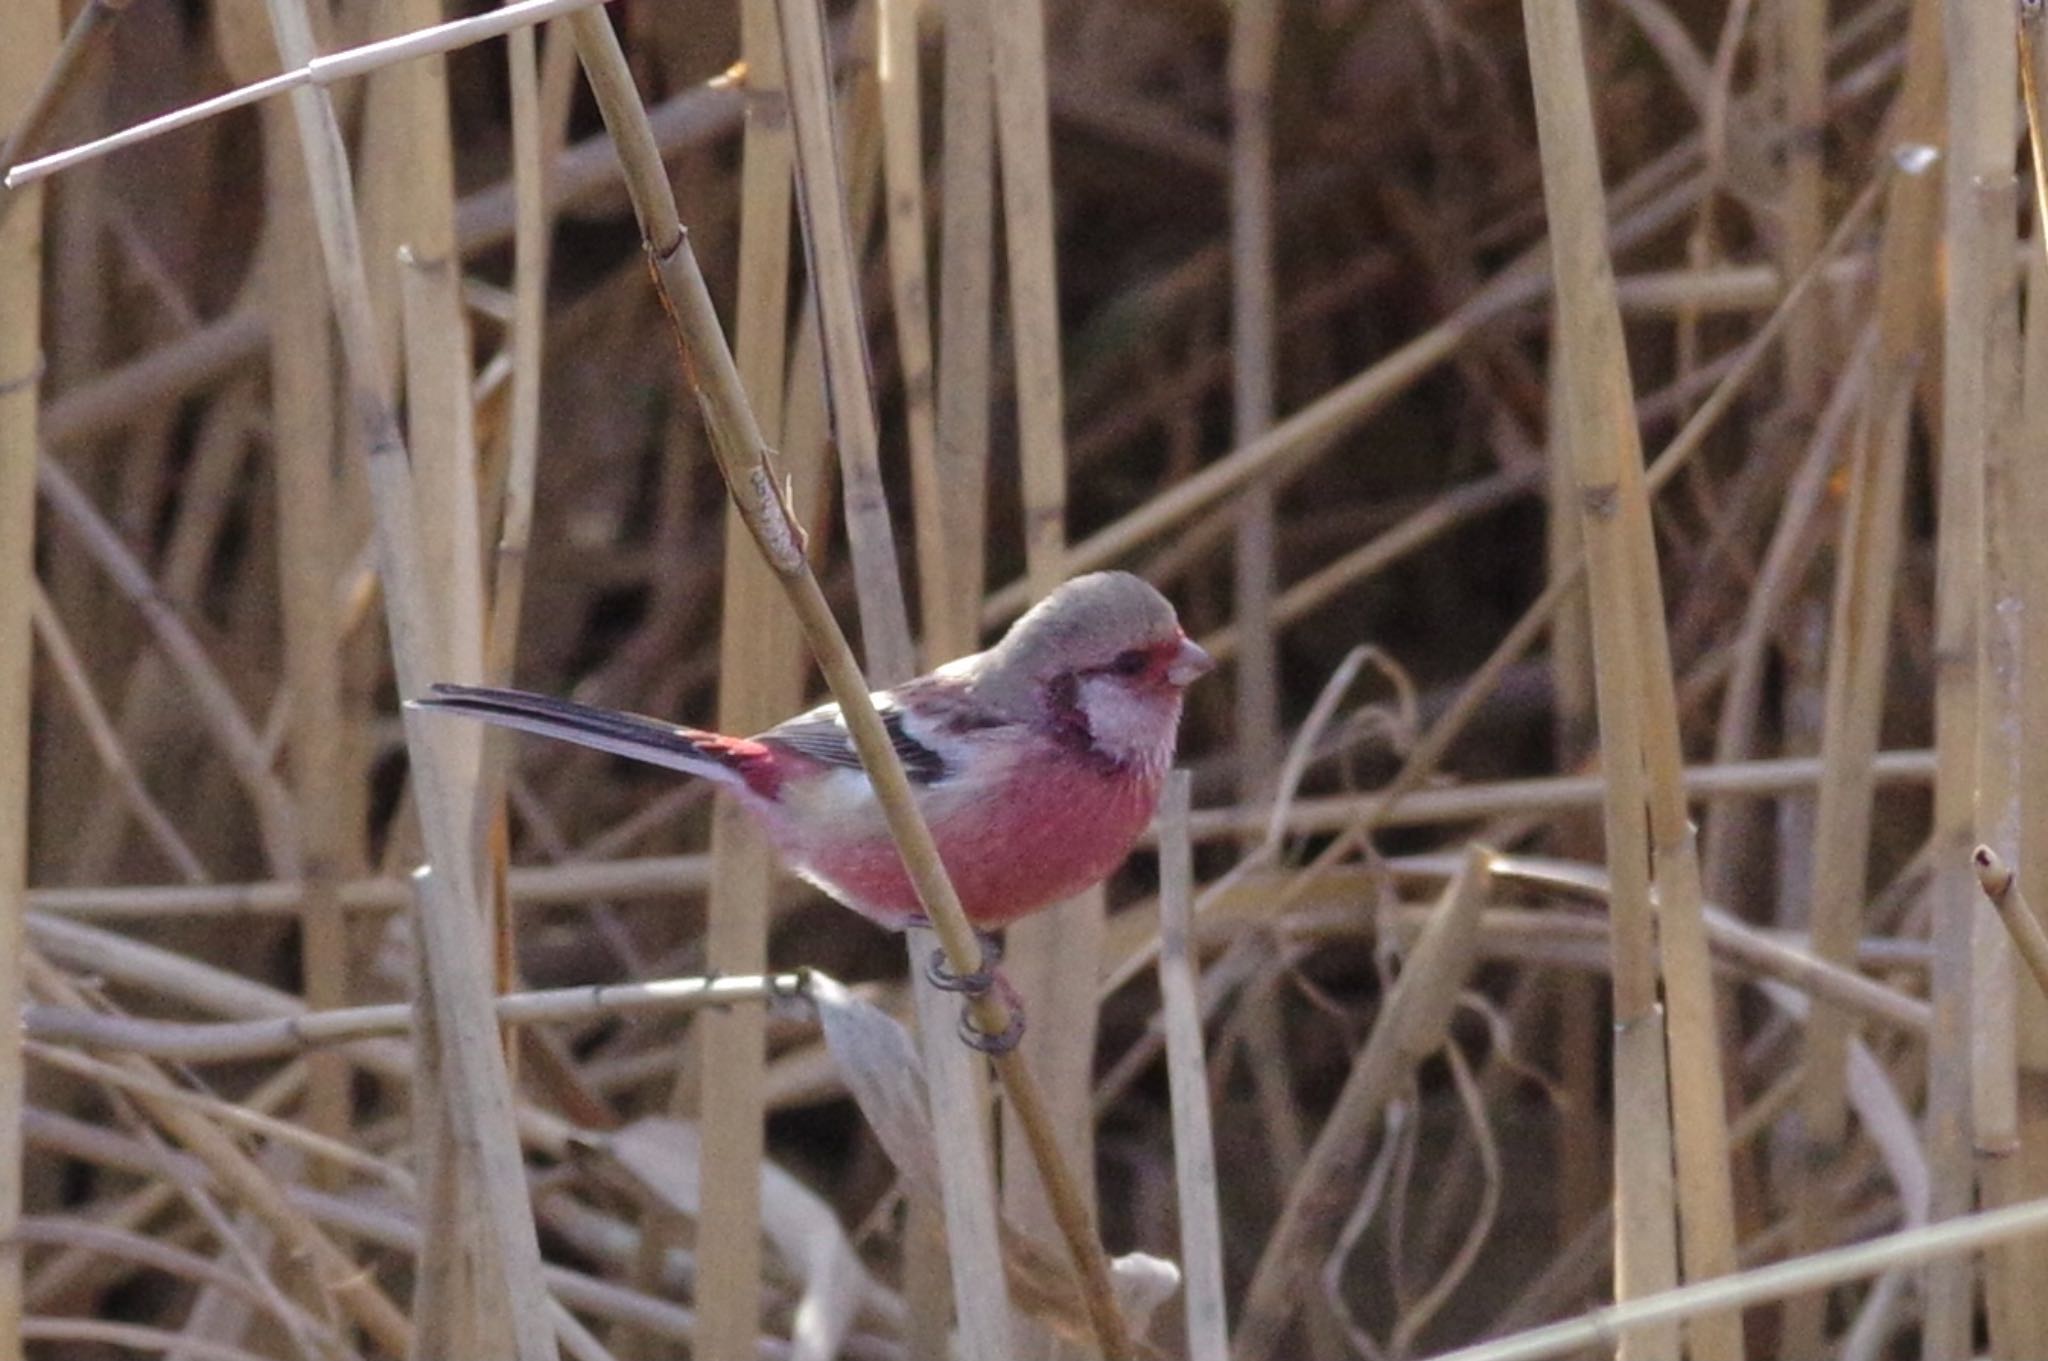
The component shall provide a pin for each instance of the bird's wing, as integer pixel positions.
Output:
(924, 719)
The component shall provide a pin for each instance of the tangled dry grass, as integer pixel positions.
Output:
(1598, 439)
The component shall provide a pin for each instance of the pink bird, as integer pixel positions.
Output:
(1037, 764)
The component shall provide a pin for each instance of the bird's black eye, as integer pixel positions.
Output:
(1132, 663)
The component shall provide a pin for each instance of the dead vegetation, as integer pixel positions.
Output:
(1598, 440)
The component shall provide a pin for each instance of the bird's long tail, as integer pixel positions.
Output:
(734, 761)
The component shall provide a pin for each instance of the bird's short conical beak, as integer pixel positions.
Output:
(1189, 664)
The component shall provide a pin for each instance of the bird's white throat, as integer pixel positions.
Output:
(1130, 725)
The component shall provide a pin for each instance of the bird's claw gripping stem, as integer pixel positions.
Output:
(942, 977)
(978, 984)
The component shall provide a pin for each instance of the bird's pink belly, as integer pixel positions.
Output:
(1068, 832)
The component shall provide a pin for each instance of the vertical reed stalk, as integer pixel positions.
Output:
(986, 1322)
(910, 296)
(1194, 1145)
(303, 419)
(1802, 54)
(952, 520)
(1859, 637)
(1254, 42)
(449, 932)
(1581, 1149)
(1639, 736)
(760, 682)
(1979, 127)
(28, 41)
(966, 292)
(2028, 503)
(1050, 954)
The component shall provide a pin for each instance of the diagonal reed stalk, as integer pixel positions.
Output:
(743, 459)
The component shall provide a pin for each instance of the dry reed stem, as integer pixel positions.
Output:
(1959, 1237)
(316, 72)
(966, 309)
(2002, 889)
(950, 522)
(28, 41)
(1600, 430)
(968, 1192)
(742, 457)
(1194, 1145)
(318, 1263)
(225, 1041)
(1412, 1024)
(1975, 225)
(1254, 44)
(447, 927)
(1859, 638)
(760, 681)
(303, 421)
(1042, 951)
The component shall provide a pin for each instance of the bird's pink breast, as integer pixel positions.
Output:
(1059, 826)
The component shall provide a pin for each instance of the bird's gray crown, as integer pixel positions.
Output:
(1085, 623)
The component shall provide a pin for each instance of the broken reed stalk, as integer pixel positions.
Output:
(2001, 888)
(28, 40)
(1194, 1143)
(743, 459)
(453, 948)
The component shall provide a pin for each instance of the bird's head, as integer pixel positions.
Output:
(1103, 661)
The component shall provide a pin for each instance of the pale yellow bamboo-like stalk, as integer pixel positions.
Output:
(1859, 645)
(951, 514)
(1600, 430)
(449, 932)
(760, 682)
(304, 421)
(742, 453)
(28, 41)
(2027, 499)
(1194, 1145)
(953, 1081)
(1979, 154)
(1046, 952)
